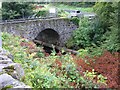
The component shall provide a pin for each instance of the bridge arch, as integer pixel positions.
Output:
(59, 28)
(49, 36)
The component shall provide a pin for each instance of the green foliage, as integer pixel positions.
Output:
(79, 4)
(53, 51)
(90, 75)
(7, 87)
(42, 71)
(16, 10)
(104, 10)
(42, 13)
(86, 35)
(95, 51)
(40, 54)
(60, 6)
(75, 20)
(80, 36)
(70, 42)
(56, 71)
(82, 52)
(62, 13)
(112, 42)
(42, 78)
(93, 74)
(21, 54)
(108, 19)
(101, 33)
(101, 79)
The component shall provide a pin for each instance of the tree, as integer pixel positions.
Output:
(16, 10)
(108, 13)
(102, 32)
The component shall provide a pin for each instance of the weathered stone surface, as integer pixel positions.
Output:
(21, 88)
(2, 66)
(3, 57)
(15, 70)
(0, 86)
(10, 72)
(19, 70)
(7, 80)
(30, 29)
(6, 61)
(5, 54)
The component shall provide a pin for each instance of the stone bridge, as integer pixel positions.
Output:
(52, 30)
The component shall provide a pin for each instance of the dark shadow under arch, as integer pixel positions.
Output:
(49, 36)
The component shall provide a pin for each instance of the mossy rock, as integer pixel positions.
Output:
(7, 87)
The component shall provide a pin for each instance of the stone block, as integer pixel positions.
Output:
(5, 54)
(7, 80)
(15, 70)
(6, 61)
(2, 66)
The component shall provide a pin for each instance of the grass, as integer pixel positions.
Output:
(61, 7)
(67, 7)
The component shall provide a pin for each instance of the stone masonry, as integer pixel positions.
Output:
(10, 73)
(31, 28)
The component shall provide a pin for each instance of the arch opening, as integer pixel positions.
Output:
(49, 36)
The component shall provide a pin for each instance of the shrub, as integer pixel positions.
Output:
(40, 54)
(75, 20)
(62, 71)
(107, 64)
(62, 13)
(42, 13)
(108, 13)
(87, 35)
(42, 78)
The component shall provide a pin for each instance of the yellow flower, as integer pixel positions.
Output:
(32, 55)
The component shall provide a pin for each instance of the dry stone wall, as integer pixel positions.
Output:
(10, 72)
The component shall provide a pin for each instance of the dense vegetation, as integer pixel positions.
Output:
(96, 65)
(79, 4)
(16, 10)
(62, 71)
(102, 32)
(108, 14)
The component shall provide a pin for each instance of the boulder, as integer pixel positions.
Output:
(2, 66)
(15, 70)
(6, 53)
(8, 61)
(3, 57)
(10, 73)
(8, 81)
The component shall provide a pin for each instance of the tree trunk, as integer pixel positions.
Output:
(57, 47)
